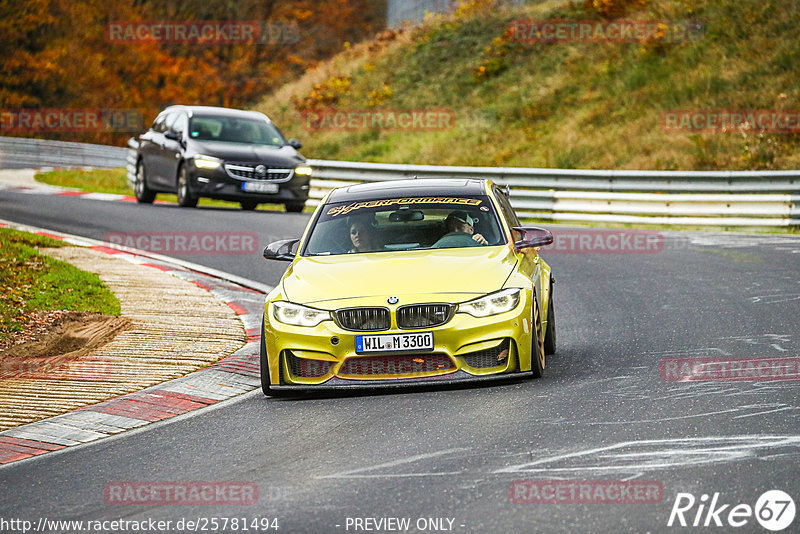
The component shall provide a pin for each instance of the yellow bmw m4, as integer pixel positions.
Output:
(408, 282)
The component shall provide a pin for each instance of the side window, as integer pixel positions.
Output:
(158, 124)
(181, 123)
(505, 207)
(170, 121)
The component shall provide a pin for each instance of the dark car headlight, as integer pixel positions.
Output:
(303, 170)
(202, 161)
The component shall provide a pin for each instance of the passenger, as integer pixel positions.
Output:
(460, 232)
(363, 236)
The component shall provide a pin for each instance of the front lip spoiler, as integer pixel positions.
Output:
(460, 377)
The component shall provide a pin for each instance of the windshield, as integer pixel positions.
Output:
(235, 130)
(397, 224)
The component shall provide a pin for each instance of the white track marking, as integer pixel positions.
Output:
(394, 463)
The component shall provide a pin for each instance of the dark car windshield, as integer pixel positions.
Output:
(235, 130)
(397, 224)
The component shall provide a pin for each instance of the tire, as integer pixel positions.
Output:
(295, 207)
(248, 205)
(550, 334)
(266, 386)
(185, 198)
(538, 357)
(144, 195)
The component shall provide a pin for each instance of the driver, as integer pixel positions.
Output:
(460, 232)
(363, 236)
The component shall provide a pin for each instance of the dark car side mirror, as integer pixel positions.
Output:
(281, 250)
(295, 144)
(173, 135)
(531, 236)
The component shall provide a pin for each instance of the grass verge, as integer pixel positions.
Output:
(30, 282)
(563, 104)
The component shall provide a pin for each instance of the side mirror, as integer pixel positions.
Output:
(173, 135)
(531, 236)
(281, 250)
(295, 144)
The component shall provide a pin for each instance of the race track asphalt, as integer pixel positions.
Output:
(602, 412)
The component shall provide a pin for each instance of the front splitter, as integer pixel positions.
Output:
(459, 377)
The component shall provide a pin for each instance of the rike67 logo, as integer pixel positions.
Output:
(774, 510)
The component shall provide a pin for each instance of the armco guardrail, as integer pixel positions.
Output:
(21, 153)
(712, 198)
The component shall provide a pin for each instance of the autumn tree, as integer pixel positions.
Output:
(56, 53)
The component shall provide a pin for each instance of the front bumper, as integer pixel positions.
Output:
(220, 185)
(465, 348)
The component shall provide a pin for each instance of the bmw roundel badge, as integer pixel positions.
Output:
(393, 300)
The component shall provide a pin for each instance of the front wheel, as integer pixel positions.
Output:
(185, 198)
(144, 195)
(550, 334)
(538, 358)
(295, 207)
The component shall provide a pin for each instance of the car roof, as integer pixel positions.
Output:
(410, 188)
(216, 111)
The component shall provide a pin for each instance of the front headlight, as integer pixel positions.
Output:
(206, 162)
(492, 304)
(297, 315)
(303, 170)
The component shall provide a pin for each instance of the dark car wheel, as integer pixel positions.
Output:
(538, 358)
(144, 195)
(295, 207)
(266, 385)
(550, 335)
(185, 198)
(248, 205)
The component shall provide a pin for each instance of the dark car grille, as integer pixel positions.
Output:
(305, 368)
(247, 171)
(484, 359)
(424, 315)
(364, 319)
(396, 365)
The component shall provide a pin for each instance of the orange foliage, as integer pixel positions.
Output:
(55, 53)
(613, 8)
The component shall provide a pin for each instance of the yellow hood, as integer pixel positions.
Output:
(453, 275)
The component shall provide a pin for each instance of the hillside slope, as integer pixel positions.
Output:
(568, 103)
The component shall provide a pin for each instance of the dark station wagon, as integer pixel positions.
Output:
(220, 153)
